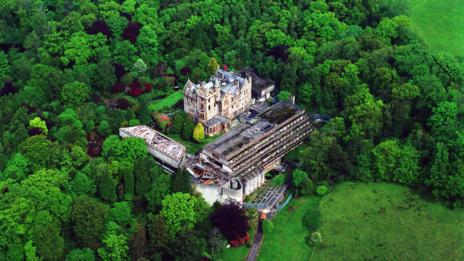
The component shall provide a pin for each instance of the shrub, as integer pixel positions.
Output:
(322, 190)
(315, 239)
(268, 226)
(278, 180)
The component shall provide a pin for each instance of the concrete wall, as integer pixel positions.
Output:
(162, 157)
(252, 184)
(211, 193)
(224, 194)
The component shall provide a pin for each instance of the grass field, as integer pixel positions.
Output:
(287, 239)
(387, 222)
(169, 101)
(374, 221)
(192, 147)
(440, 23)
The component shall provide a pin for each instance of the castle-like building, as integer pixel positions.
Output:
(216, 102)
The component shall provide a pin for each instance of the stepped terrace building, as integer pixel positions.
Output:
(218, 101)
(233, 166)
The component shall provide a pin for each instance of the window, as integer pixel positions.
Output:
(209, 107)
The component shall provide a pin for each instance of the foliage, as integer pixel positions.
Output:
(4, 67)
(278, 180)
(37, 122)
(394, 103)
(268, 226)
(284, 95)
(177, 123)
(315, 239)
(213, 65)
(89, 218)
(199, 133)
(302, 183)
(321, 190)
(84, 254)
(160, 188)
(393, 162)
(231, 221)
(178, 210)
(187, 129)
(75, 94)
(115, 245)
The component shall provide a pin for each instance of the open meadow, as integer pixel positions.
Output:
(374, 221)
(440, 23)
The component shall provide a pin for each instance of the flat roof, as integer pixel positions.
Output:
(258, 82)
(280, 112)
(157, 141)
(252, 130)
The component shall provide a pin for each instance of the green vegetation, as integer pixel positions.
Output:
(287, 241)
(369, 221)
(166, 102)
(192, 146)
(235, 253)
(73, 72)
(365, 221)
(440, 23)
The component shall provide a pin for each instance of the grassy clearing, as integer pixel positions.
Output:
(440, 23)
(192, 147)
(169, 101)
(387, 222)
(287, 239)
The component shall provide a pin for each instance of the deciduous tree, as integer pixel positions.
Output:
(179, 212)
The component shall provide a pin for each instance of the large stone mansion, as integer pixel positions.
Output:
(216, 102)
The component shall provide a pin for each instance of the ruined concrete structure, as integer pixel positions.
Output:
(165, 150)
(233, 166)
(218, 101)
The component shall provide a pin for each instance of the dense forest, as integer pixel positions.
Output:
(74, 71)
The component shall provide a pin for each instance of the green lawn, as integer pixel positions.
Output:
(287, 239)
(387, 222)
(440, 23)
(374, 221)
(168, 101)
(192, 147)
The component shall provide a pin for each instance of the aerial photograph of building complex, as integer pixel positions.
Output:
(231, 130)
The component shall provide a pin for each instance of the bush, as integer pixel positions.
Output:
(278, 180)
(315, 239)
(322, 190)
(268, 226)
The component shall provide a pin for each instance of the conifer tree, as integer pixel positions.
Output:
(213, 65)
(182, 182)
(199, 133)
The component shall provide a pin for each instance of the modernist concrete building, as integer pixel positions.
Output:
(233, 166)
(218, 101)
(165, 150)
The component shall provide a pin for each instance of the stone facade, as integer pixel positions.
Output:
(226, 95)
